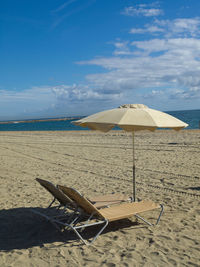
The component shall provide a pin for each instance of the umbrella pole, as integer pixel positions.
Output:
(134, 184)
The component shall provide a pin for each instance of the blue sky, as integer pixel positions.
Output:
(77, 57)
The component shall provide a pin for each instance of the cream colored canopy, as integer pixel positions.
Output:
(131, 117)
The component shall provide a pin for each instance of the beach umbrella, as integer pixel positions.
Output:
(131, 118)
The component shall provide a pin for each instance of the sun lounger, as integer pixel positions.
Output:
(64, 200)
(66, 207)
(103, 216)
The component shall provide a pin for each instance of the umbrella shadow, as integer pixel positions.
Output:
(20, 228)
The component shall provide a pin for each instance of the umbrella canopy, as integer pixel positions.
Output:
(131, 118)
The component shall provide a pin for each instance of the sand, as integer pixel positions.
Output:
(167, 171)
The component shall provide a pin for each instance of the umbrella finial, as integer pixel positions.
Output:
(135, 106)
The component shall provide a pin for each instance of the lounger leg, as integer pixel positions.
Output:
(87, 222)
(161, 212)
(67, 225)
(141, 218)
(85, 241)
(99, 232)
(51, 203)
(57, 207)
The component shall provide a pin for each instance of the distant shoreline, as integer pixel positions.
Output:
(40, 120)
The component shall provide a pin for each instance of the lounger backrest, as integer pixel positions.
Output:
(59, 195)
(80, 200)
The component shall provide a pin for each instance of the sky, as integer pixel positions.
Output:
(63, 58)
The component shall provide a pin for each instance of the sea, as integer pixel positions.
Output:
(191, 117)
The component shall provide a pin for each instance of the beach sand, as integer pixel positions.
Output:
(167, 171)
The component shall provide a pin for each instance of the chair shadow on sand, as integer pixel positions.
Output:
(20, 228)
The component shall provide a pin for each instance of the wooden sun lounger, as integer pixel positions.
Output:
(105, 215)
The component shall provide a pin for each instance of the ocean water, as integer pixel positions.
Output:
(191, 117)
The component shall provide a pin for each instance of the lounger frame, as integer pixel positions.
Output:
(76, 224)
(76, 213)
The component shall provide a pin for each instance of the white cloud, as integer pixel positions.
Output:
(191, 94)
(142, 10)
(171, 28)
(184, 46)
(166, 63)
(53, 101)
(156, 94)
(76, 93)
(35, 93)
(184, 26)
(122, 48)
(149, 29)
(15, 104)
